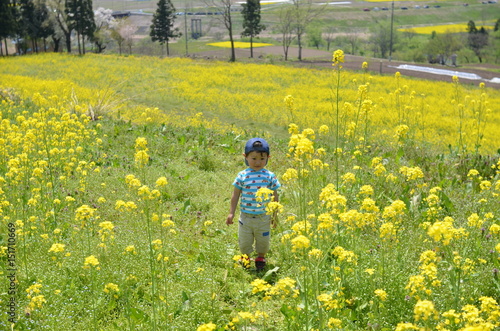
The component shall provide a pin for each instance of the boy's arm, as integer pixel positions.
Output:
(235, 197)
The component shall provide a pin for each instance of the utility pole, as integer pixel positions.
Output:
(186, 30)
(392, 24)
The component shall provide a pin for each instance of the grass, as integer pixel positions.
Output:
(377, 231)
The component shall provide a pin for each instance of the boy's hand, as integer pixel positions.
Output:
(229, 219)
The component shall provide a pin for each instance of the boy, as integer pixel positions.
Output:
(254, 223)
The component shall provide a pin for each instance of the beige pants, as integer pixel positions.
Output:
(254, 229)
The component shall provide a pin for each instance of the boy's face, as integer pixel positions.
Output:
(256, 160)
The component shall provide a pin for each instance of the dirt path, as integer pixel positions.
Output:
(317, 58)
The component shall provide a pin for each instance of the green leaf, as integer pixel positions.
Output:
(187, 206)
(138, 315)
(185, 296)
(288, 312)
(270, 273)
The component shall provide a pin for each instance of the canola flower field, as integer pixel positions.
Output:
(443, 28)
(116, 175)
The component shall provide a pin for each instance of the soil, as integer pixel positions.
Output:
(317, 59)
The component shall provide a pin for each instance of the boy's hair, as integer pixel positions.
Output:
(257, 145)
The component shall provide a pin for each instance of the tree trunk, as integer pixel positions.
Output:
(68, 41)
(168, 49)
(57, 42)
(300, 46)
(79, 44)
(251, 46)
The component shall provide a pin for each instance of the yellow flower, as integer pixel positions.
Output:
(141, 143)
(107, 225)
(406, 326)
(411, 173)
(141, 158)
(111, 287)
(84, 213)
(334, 323)
(381, 294)
(246, 315)
(207, 327)
(57, 248)
(289, 175)
(289, 104)
(259, 285)
(157, 244)
(324, 129)
(364, 65)
(315, 253)
(349, 178)
(424, 309)
(162, 181)
(90, 261)
(370, 271)
(264, 195)
(344, 255)
(300, 242)
(130, 249)
(338, 57)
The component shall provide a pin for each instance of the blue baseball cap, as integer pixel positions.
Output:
(262, 147)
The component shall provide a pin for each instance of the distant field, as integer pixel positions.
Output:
(442, 28)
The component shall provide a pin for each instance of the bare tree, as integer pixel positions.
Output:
(285, 26)
(353, 40)
(58, 14)
(304, 12)
(224, 8)
(328, 36)
(123, 33)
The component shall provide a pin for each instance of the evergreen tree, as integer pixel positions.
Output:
(251, 21)
(81, 19)
(7, 22)
(162, 28)
(46, 27)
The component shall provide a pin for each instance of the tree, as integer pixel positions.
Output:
(81, 19)
(251, 21)
(381, 38)
(314, 37)
(7, 22)
(123, 33)
(46, 27)
(28, 25)
(285, 25)
(224, 7)
(162, 28)
(329, 36)
(35, 22)
(60, 17)
(305, 11)
(444, 44)
(477, 40)
(104, 22)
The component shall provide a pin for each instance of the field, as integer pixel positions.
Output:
(115, 181)
(345, 17)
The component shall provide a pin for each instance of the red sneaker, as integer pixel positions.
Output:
(260, 263)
